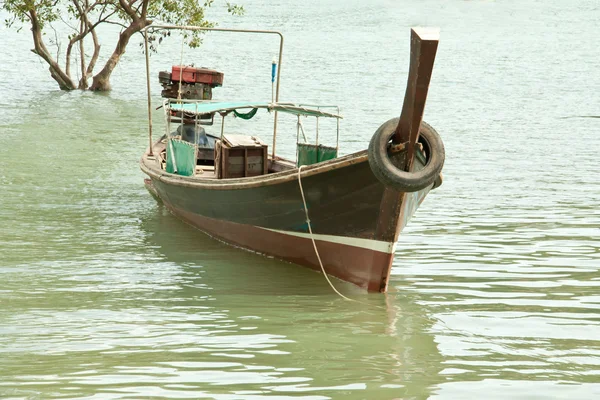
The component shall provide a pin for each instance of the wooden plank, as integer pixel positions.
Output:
(218, 159)
(242, 141)
(241, 160)
(225, 162)
(265, 161)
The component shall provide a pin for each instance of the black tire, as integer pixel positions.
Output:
(394, 178)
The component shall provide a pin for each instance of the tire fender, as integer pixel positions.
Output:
(394, 178)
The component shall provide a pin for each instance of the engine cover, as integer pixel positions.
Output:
(196, 83)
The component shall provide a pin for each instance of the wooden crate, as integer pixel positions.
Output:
(239, 156)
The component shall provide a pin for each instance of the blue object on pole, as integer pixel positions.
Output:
(273, 70)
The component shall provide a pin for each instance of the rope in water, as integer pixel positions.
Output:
(312, 236)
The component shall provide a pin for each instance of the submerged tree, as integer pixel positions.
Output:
(83, 17)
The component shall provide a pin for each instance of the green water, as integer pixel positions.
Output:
(494, 293)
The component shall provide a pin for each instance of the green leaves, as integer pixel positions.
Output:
(235, 9)
(82, 17)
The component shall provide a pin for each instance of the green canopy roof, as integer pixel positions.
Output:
(209, 107)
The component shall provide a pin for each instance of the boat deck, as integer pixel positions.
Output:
(206, 171)
(205, 168)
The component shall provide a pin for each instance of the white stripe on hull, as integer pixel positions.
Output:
(376, 245)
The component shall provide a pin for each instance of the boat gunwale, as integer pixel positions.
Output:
(275, 178)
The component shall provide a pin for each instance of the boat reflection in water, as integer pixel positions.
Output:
(259, 325)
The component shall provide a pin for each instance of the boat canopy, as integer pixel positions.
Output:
(209, 107)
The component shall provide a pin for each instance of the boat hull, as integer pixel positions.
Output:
(346, 204)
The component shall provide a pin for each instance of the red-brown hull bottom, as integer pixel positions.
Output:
(360, 266)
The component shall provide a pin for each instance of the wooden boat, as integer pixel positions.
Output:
(341, 215)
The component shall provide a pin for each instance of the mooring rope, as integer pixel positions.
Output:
(312, 236)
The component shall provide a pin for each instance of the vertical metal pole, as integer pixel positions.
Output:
(196, 127)
(149, 96)
(297, 138)
(195, 141)
(337, 139)
(273, 70)
(277, 93)
(222, 125)
(181, 69)
(197, 28)
(168, 117)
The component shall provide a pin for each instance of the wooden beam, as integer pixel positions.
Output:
(423, 48)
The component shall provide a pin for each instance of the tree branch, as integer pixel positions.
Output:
(145, 9)
(56, 42)
(116, 23)
(99, 3)
(129, 10)
(101, 20)
(83, 80)
(137, 7)
(86, 73)
(92, 64)
(63, 80)
(67, 23)
(101, 79)
(77, 38)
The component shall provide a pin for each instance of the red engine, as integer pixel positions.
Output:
(196, 83)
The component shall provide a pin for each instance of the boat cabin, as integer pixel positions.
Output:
(187, 149)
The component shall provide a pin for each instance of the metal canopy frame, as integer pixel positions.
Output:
(203, 107)
(199, 28)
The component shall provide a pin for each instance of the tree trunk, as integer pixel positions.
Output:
(83, 83)
(101, 81)
(64, 81)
